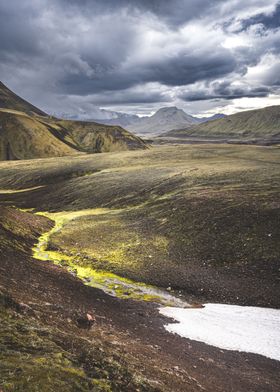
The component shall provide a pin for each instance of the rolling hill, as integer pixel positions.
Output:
(93, 137)
(26, 137)
(260, 124)
(26, 133)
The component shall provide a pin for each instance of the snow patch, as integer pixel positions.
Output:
(242, 328)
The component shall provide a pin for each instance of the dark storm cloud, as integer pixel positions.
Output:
(125, 51)
(128, 97)
(224, 91)
(180, 70)
(18, 34)
(173, 12)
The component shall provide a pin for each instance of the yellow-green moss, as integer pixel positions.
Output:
(107, 281)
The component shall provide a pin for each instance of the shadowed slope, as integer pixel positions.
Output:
(94, 137)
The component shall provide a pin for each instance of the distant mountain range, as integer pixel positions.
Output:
(260, 124)
(165, 119)
(26, 132)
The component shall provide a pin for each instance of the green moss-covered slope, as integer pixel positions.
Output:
(26, 137)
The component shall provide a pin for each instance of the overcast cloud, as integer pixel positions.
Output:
(136, 56)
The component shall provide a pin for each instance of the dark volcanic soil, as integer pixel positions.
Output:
(202, 219)
(130, 331)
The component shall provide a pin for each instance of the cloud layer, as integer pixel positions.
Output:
(73, 55)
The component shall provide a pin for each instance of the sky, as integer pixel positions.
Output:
(204, 56)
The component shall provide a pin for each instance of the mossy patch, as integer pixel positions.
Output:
(40, 358)
(81, 265)
(31, 361)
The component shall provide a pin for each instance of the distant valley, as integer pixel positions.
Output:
(27, 132)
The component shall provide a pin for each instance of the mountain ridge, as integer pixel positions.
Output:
(26, 133)
(261, 123)
(164, 119)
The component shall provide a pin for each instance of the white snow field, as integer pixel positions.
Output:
(242, 328)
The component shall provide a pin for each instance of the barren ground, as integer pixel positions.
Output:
(203, 220)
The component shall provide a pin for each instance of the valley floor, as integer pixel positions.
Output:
(174, 217)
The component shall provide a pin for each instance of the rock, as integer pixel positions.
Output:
(25, 309)
(86, 321)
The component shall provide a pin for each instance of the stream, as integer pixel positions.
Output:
(109, 282)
